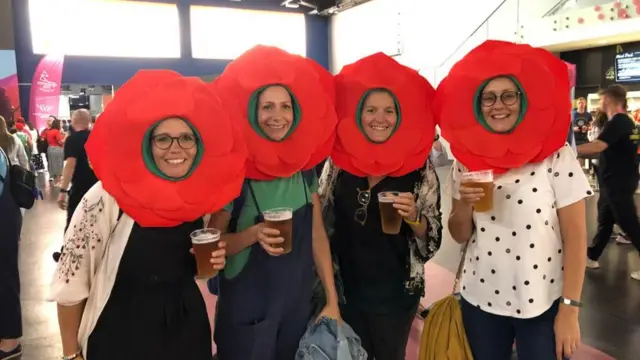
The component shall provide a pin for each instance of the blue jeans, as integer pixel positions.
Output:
(491, 337)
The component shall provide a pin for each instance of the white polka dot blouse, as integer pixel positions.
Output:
(514, 263)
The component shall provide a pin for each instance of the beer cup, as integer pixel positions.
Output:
(389, 216)
(204, 242)
(484, 180)
(280, 219)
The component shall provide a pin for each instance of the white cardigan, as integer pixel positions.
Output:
(93, 247)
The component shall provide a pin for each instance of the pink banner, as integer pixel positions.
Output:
(45, 90)
(572, 73)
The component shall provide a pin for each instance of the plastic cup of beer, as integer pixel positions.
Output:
(281, 219)
(204, 242)
(484, 180)
(390, 218)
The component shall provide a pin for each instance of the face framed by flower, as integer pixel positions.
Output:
(504, 105)
(386, 124)
(166, 150)
(284, 106)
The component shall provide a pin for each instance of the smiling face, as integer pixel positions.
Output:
(500, 103)
(275, 112)
(173, 145)
(379, 116)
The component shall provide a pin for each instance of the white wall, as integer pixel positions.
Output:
(427, 32)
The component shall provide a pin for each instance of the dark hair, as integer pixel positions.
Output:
(600, 119)
(617, 93)
(54, 117)
(55, 124)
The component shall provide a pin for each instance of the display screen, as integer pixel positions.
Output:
(628, 67)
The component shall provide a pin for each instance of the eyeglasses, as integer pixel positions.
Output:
(164, 141)
(507, 98)
(364, 197)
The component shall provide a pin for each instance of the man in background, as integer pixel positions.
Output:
(77, 172)
(617, 145)
(581, 119)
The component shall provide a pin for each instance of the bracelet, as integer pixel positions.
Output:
(72, 357)
(569, 302)
(417, 222)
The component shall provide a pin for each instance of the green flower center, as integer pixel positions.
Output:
(360, 108)
(150, 163)
(477, 106)
(254, 103)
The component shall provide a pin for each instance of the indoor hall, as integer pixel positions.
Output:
(609, 322)
(595, 38)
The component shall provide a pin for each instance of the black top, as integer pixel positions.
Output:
(83, 177)
(618, 163)
(155, 309)
(581, 120)
(374, 265)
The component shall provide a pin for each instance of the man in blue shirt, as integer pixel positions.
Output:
(581, 118)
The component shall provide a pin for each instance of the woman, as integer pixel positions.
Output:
(525, 260)
(384, 138)
(284, 106)
(55, 154)
(12, 146)
(10, 225)
(125, 280)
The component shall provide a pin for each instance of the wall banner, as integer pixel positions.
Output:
(45, 90)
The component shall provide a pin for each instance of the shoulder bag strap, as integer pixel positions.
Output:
(460, 266)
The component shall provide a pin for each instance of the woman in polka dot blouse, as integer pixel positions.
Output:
(525, 261)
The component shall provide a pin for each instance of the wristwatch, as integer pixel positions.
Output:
(570, 302)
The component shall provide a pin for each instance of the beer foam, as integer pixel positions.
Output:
(278, 215)
(205, 238)
(385, 199)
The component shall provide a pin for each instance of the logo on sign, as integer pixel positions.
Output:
(45, 108)
(45, 84)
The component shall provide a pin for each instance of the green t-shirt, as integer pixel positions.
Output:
(283, 192)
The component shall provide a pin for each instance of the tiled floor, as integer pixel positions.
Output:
(610, 321)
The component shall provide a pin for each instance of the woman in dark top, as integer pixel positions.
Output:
(10, 226)
(383, 143)
(125, 280)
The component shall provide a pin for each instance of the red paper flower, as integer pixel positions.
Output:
(408, 147)
(312, 90)
(115, 151)
(544, 81)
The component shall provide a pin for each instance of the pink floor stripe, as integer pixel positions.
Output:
(439, 284)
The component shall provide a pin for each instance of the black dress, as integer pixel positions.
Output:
(156, 310)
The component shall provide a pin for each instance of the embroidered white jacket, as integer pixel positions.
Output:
(93, 247)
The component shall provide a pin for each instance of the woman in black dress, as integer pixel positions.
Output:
(125, 280)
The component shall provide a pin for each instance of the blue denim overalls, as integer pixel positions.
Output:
(263, 312)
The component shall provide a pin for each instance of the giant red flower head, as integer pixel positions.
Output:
(409, 145)
(312, 132)
(541, 129)
(120, 142)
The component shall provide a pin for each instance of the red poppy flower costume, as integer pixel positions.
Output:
(116, 154)
(544, 83)
(310, 87)
(407, 149)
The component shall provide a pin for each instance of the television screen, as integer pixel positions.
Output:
(628, 67)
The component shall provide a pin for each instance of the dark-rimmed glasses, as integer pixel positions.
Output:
(364, 197)
(507, 98)
(164, 141)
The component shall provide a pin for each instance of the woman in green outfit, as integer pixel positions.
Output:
(284, 106)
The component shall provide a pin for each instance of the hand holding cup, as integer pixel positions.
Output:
(269, 239)
(406, 206)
